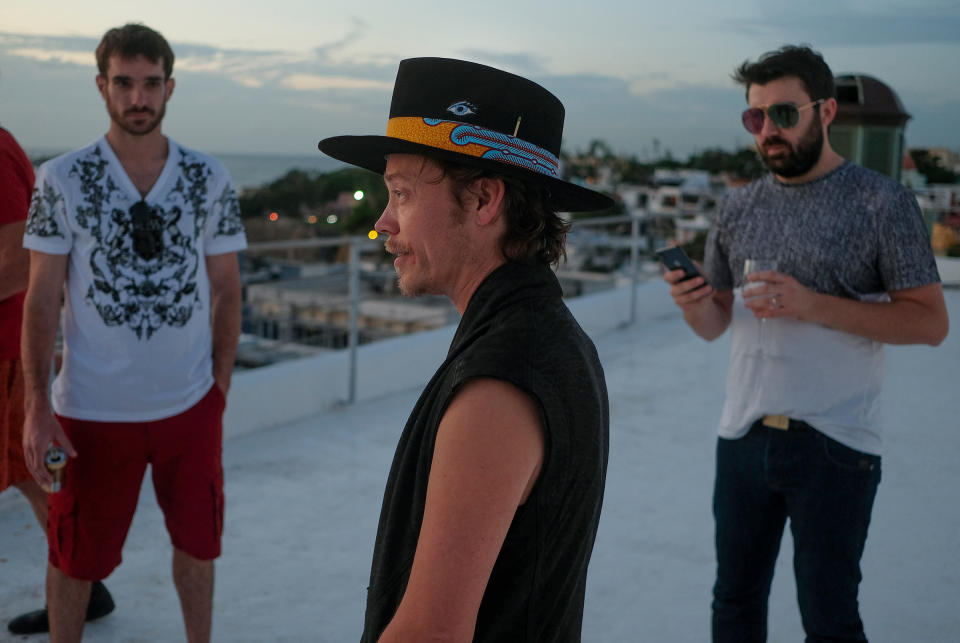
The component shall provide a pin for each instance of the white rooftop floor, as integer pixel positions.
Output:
(303, 501)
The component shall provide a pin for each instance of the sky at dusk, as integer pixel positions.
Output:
(645, 77)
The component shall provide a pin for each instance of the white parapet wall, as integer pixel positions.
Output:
(292, 390)
(949, 268)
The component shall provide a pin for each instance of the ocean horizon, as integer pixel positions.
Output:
(247, 170)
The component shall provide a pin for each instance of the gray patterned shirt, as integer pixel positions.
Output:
(851, 233)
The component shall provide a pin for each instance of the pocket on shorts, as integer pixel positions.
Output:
(216, 488)
(62, 534)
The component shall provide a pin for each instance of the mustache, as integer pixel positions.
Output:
(775, 140)
(395, 248)
(139, 110)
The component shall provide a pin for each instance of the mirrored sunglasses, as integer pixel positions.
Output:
(783, 115)
(146, 230)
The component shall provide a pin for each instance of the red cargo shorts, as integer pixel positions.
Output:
(90, 517)
(13, 467)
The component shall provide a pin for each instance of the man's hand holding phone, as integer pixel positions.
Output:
(688, 287)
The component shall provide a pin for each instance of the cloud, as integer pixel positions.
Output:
(311, 82)
(521, 63)
(849, 26)
(277, 101)
(685, 119)
(330, 51)
(65, 50)
(67, 43)
(310, 71)
(246, 68)
(54, 55)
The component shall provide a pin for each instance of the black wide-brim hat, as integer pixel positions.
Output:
(473, 115)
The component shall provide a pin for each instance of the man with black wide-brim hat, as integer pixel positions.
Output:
(492, 503)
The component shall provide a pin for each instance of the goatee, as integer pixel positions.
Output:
(154, 118)
(800, 159)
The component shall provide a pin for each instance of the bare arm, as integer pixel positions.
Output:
(225, 312)
(706, 311)
(912, 316)
(14, 259)
(41, 316)
(487, 458)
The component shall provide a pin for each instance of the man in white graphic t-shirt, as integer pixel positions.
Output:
(141, 235)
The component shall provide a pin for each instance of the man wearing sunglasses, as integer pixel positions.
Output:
(141, 236)
(800, 428)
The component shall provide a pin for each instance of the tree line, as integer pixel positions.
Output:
(299, 195)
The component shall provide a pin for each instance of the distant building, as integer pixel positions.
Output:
(949, 159)
(910, 176)
(316, 310)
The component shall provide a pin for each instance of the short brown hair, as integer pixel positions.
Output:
(535, 233)
(799, 61)
(132, 40)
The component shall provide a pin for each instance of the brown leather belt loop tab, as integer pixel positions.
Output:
(781, 422)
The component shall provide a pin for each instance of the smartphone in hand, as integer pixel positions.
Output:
(675, 258)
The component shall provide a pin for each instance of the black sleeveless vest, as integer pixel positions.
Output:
(516, 328)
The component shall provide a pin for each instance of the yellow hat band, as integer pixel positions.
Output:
(473, 140)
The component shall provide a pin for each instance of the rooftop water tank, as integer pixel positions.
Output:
(869, 125)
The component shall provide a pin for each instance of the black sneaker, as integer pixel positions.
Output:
(37, 622)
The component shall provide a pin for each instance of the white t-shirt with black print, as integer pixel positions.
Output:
(137, 336)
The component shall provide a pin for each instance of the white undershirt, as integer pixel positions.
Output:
(827, 378)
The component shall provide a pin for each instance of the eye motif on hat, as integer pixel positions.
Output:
(463, 108)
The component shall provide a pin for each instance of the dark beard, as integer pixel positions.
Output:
(139, 130)
(801, 158)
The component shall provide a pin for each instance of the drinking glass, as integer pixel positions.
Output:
(751, 266)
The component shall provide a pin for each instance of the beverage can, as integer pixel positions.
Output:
(55, 461)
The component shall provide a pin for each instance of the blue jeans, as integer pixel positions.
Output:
(827, 491)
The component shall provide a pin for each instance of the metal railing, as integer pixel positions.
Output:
(355, 244)
(632, 242)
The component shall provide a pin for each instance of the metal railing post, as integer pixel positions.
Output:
(634, 240)
(354, 293)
